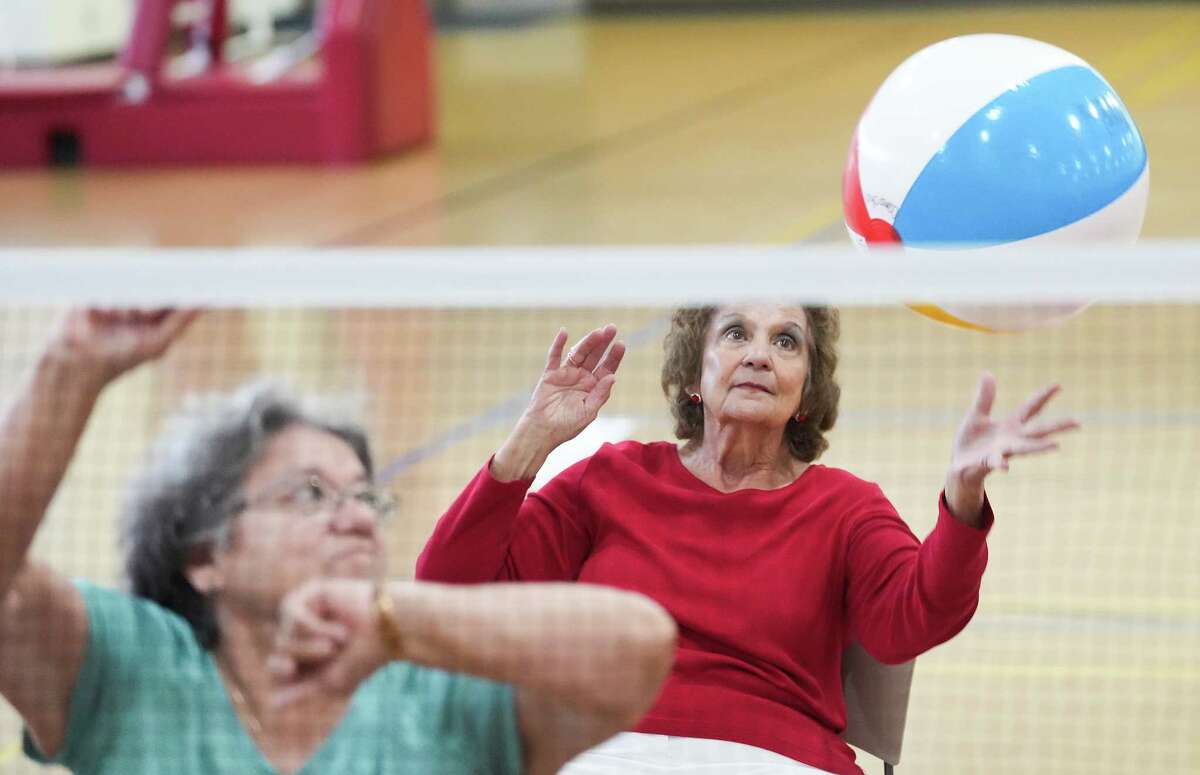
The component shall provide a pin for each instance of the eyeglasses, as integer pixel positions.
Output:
(314, 496)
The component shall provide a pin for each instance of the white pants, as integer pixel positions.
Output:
(636, 753)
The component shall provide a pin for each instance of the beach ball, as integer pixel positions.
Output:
(995, 142)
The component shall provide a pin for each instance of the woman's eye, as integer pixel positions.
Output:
(735, 333)
(786, 341)
(312, 492)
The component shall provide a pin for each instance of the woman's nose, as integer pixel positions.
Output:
(756, 357)
(354, 517)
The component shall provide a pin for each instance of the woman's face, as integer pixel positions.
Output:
(301, 520)
(755, 365)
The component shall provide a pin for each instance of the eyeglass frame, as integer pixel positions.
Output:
(382, 503)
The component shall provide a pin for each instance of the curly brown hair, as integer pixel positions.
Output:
(684, 348)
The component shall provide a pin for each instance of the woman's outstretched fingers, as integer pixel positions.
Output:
(612, 359)
(591, 349)
(1035, 403)
(1051, 428)
(554, 355)
(603, 342)
(578, 353)
(1031, 447)
(985, 395)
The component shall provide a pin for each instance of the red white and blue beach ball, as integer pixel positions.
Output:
(996, 141)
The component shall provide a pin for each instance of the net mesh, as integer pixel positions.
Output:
(1082, 655)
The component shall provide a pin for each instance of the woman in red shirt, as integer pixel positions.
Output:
(769, 562)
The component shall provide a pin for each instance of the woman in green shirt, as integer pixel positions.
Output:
(255, 639)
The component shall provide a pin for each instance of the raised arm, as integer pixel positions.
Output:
(586, 661)
(42, 619)
(492, 532)
(905, 597)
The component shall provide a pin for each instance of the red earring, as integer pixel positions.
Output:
(801, 417)
(694, 398)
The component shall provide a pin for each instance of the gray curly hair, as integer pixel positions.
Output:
(186, 495)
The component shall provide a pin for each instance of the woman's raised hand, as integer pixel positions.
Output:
(102, 344)
(573, 388)
(984, 444)
(568, 396)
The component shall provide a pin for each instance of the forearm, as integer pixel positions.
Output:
(965, 499)
(601, 650)
(907, 597)
(470, 542)
(38, 436)
(522, 455)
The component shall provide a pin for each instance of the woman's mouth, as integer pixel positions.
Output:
(752, 386)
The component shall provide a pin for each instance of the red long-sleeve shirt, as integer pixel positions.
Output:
(767, 586)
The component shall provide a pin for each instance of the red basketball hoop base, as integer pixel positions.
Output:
(367, 90)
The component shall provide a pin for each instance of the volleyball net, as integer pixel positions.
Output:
(1082, 656)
